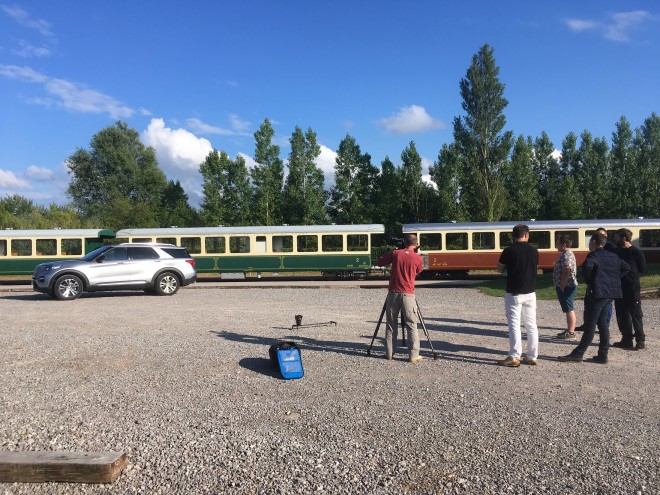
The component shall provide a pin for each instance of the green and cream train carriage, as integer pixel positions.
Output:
(454, 249)
(330, 249)
(22, 250)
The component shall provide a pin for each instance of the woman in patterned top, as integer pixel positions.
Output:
(565, 280)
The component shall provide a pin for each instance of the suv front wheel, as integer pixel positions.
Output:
(167, 284)
(67, 288)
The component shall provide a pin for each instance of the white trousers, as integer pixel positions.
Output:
(521, 309)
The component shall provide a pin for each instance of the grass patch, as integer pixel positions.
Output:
(545, 289)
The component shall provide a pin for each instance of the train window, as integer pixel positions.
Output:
(357, 242)
(192, 244)
(215, 244)
(282, 243)
(589, 233)
(142, 239)
(71, 247)
(46, 247)
(260, 244)
(21, 247)
(457, 241)
(430, 242)
(506, 239)
(483, 240)
(379, 240)
(575, 237)
(3, 247)
(334, 242)
(239, 244)
(649, 238)
(540, 239)
(308, 243)
(166, 240)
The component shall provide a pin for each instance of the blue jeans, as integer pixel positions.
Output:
(595, 313)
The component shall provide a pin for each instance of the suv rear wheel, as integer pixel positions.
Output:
(167, 284)
(67, 288)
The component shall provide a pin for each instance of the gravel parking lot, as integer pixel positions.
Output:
(184, 386)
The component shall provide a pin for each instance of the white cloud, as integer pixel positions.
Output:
(249, 161)
(238, 127)
(616, 28)
(39, 173)
(68, 95)
(9, 180)
(29, 50)
(24, 19)
(410, 120)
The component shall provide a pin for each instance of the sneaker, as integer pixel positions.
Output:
(599, 359)
(640, 346)
(529, 362)
(509, 362)
(571, 358)
(416, 359)
(566, 335)
(624, 345)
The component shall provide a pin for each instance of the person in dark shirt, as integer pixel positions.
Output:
(602, 271)
(406, 264)
(520, 260)
(629, 308)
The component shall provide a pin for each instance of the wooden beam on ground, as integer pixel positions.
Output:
(71, 467)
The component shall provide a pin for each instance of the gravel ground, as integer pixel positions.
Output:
(184, 386)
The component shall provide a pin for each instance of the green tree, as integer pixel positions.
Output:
(447, 173)
(388, 198)
(479, 139)
(117, 183)
(647, 145)
(267, 178)
(226, 190)
(304, 195)
(411, 183)
(626, 190)
(549, 176)
(351, 198)
(568, 201)
(175, 208)
(521, 182)
(592, 175)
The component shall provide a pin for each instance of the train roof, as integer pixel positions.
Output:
(533, 224)
(275, 229)
(13, 233)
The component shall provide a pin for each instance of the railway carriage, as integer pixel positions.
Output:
(454, 249)
(22, 250)
(334, 250)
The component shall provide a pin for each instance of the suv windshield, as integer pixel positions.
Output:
(93, 254)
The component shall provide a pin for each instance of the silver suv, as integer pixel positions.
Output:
(159, 268)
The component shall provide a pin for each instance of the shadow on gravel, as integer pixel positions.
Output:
(261, 365)
(38, 296)
(308, 343)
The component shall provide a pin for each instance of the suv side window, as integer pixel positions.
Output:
(177, 252)
(142, 253)
(116, 254)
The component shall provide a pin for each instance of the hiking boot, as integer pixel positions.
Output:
(509, 362)
(624, 345)
(416, 359)
(640, 346)
(566, 335)
(571, 358)
(599, 359)
(529, 362)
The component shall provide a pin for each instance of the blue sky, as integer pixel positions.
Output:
(197, 75)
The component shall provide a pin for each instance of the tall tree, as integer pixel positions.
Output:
(388, 198)
(549, 175)
(522, 182)
(647, 145)
(267, 178)
(118, 182)
(591, 172)
(303, 190)
(626, 190)
(226, 190)
(479, 139)
(411, 183)
(175, 209)
(447, 174)
(567, 201)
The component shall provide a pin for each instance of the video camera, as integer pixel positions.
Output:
(400, 243)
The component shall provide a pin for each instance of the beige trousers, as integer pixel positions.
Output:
(405, 304)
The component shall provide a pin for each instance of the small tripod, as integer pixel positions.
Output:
(403, 329)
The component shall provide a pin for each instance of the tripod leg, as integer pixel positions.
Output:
(426, 332)
(380, 320)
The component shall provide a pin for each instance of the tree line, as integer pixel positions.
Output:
(485, 174)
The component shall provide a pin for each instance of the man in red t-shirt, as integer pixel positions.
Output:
(406, 264)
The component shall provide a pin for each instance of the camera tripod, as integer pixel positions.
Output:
(403, 329)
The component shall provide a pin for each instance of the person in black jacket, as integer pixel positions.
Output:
(629, 308)
(602, 271)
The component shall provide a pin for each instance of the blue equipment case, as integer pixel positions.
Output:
(286, 356)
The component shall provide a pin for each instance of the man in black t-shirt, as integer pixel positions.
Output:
(520, 260)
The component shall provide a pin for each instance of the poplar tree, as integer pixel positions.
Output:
(447, 174)
(478, 135)
(647, 144)
(591, 172)
(388, 198)
(267, 178)
(521, 181)
(626, 191)
(226, 190)
(412, 186)
(305, 197)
